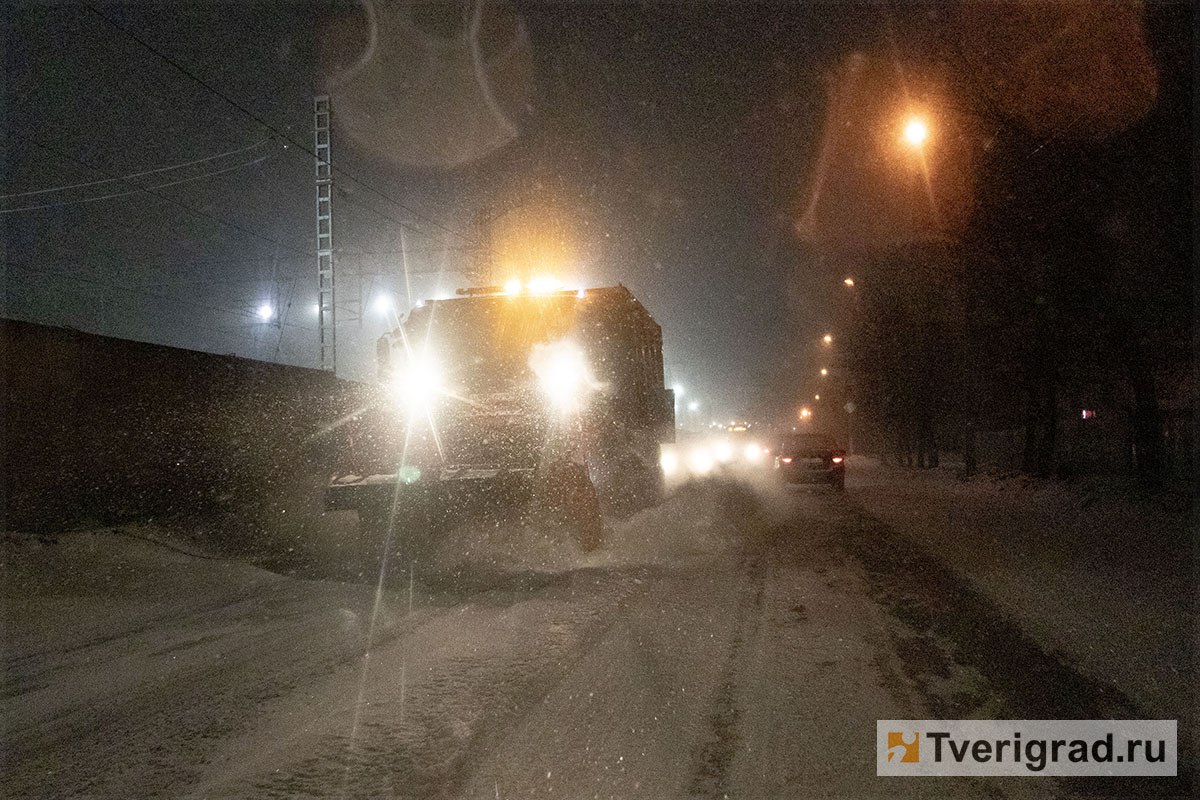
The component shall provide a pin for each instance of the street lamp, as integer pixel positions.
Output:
(265, 312)
(827, 339)
(693, 406)
(824, 372)
(383, 304)
(679, 407)
(915, 132)
(848, 281)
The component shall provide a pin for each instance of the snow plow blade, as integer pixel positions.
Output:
(466, 492)
(413, 515)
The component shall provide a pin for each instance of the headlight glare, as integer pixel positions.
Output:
(562, 372)
(418, 386)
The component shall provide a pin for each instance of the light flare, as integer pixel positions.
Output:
(418, 386)
(916, 132)
(563, 373)
(700, 461)
(544, 284)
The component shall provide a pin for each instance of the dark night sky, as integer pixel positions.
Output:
(681, 140)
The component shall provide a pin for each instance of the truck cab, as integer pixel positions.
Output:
(495, 392)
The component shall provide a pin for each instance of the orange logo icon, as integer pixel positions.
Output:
(909, 751)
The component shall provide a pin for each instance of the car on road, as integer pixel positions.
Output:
(811, 458)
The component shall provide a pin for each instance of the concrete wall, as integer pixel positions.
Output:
(106, 430)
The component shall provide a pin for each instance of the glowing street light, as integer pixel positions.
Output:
(805, 412)
(848, 281)
(694, 405)
(816, 397)
(679, 407)
(915, 132)
(383, 304)
(827, 339)
(265, 312)
(824, 372)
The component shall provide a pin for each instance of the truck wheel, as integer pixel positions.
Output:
(565, 496)
(586, 513)
(634, 487)
(652, 493)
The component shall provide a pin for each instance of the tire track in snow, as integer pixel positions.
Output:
(710, 777)
(460, 703)
(948, 628)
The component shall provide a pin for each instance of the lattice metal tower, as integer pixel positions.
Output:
(326, 298)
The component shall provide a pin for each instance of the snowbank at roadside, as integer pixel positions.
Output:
(1108, 584)
(129, 654)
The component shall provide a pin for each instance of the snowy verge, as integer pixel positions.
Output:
(1107, 584)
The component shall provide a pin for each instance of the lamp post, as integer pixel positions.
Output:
(914, 135)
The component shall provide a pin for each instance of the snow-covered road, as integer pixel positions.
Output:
(734, 641)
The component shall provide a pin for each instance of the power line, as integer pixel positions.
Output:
(140, 309)
(139, 190)
(137, 174)
(280, 134)
(169, 199)
(346, 198)
(26, 270)
(224, 332)
(248, 317)
(408, 251)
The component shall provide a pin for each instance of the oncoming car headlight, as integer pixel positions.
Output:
(562, 372)
(701, 461)
(419, 384)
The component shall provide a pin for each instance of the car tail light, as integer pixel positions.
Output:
(786, 459)
(838, 459)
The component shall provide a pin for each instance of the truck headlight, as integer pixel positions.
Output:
(562, 372)
(419, 384)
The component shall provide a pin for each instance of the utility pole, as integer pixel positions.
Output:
(483, 257)
(326, 298)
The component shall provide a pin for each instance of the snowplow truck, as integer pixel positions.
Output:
(547, 406)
